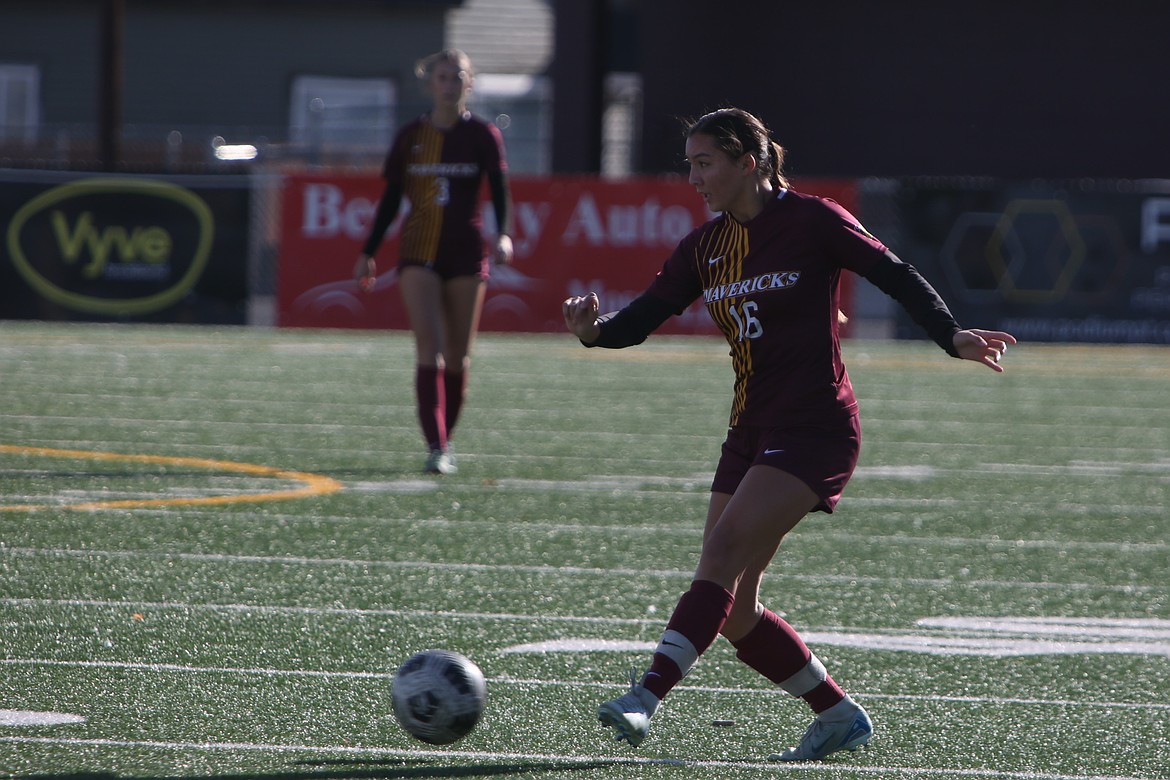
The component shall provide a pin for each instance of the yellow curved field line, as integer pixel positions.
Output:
(313, 484)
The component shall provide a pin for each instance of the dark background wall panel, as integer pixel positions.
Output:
(917, 87)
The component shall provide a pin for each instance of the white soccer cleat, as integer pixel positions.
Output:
(440, 462)
(629, 714)
(844, 726)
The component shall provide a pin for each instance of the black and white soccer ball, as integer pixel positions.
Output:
(438, 696)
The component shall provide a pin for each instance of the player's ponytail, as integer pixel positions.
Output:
(777, 177)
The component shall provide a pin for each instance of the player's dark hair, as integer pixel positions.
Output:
(736, 133)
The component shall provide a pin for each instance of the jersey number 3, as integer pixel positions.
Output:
(442, 191)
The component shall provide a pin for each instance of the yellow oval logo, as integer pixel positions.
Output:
(112, 246)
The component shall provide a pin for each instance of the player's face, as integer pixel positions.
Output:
(449, 85)
(721, 180)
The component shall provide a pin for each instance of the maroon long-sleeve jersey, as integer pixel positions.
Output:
(773, 288)
(441, 172)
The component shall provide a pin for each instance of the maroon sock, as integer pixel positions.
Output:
(775, 650)
(455, 386)
(432, 412)
(696, 621)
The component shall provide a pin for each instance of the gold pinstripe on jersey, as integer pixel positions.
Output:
(727, 245)
(421, 242)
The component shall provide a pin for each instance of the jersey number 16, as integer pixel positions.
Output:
(746, 324)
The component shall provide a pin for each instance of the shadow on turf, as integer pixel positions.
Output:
(387, 769)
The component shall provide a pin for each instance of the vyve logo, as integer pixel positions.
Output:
(112, 245)
(150, 244)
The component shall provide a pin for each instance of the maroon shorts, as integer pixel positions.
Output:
(821, 456)
(449, 269)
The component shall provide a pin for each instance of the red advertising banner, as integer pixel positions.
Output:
(572, 235)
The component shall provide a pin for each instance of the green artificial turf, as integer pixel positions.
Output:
(993, 587)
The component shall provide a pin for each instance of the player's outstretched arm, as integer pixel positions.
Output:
(983, 346)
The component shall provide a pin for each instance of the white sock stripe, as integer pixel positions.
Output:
(812, 675)
(679, 649)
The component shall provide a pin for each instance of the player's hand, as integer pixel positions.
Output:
(365, 273)
(581, 317)
(983, 346)
(503, 252)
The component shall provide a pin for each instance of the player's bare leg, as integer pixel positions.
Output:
(766, 506)
(422, 296)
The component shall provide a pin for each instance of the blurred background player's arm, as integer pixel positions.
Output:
(365, 270)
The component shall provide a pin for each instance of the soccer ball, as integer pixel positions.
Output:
(438, 696)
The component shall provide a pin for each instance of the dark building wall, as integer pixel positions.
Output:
(216, 62)
(62, 39)
(1041, 88)
(185, 63)
(578, 70)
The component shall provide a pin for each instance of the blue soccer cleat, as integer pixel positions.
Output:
(844, 726)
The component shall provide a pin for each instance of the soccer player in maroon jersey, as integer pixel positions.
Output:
(438, 162)
(768, 269)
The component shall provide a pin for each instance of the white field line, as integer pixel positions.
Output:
(134, 426)
(664, 574)
(394, 419)
(141, 606)
(695, 486)
(503, 617)
(996, 637)
(832, 769)
(1126, 457)
(245, 390)
(255, 393)
(257, 452)
(811, 527)
(576, 684)
(125, 434)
